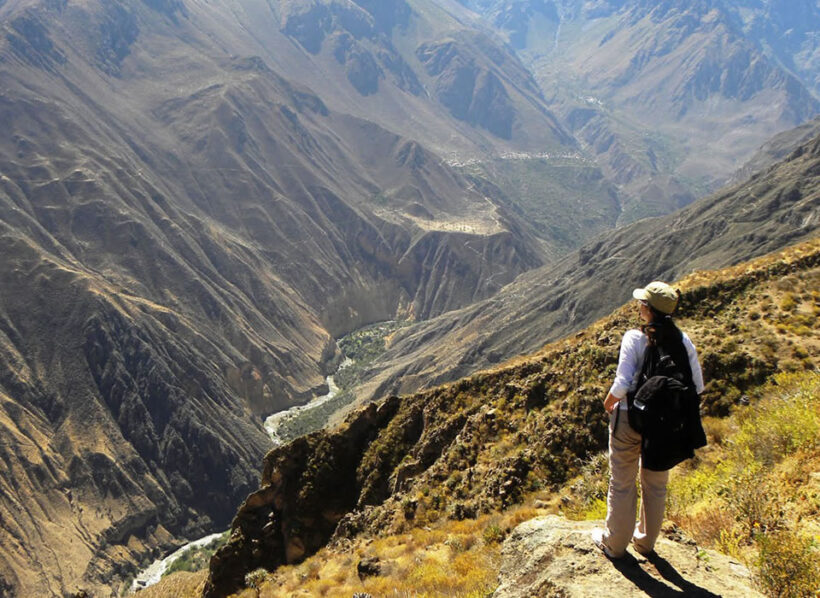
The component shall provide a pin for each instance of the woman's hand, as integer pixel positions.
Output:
(610, 402)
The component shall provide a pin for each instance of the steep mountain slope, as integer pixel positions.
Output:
(788, 31)
(186, 226)
(479, 445)
(195, 199)
(420, 56)
(778, 148)
(671, 97)
(396, 63)
(772, 209)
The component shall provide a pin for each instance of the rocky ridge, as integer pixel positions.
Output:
(777, 149)
(670, 98)
(195, 199)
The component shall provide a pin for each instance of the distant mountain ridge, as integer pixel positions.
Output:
(670, 97)
(778, 148)
(197, 198)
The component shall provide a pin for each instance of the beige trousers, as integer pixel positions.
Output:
(622, 498)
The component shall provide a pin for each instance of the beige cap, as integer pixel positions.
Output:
(658, 295)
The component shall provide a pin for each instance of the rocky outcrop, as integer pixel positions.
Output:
(516, 19)
(310, 23)
(476, 81)
(359, 38)
(387, 14)
(469, 92)
(306, 488)
(30, 39)
(551, 556)
(118, 30)
(367, 477)
(388, 464)
(180, 246)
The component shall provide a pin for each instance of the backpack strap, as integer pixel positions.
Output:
(650, 361)
(677, 353)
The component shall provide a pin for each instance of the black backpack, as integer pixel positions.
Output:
(665, 408)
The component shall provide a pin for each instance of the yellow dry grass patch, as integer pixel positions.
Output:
(756, 494)
(451, 559)
(178, 585)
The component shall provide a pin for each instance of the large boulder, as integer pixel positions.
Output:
(551, 556)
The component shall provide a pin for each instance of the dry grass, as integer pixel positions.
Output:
(755, 495)
(448, 559)
(178, 585)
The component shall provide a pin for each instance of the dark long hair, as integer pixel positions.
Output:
(662, 330)
(664, 334)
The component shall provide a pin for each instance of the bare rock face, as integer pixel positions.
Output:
(359, 35)
(550, 556)
(307, 487)
(176, 261)
(30, 40)
(471, 91)
(741, 71)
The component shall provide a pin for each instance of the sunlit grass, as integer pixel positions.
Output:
(753, 493)
(750, 497)
(451, 559)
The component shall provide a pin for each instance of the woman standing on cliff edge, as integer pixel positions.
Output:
(656, 304)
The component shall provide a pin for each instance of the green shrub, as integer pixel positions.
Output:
(588, 494)
(736, 499)
(754, 501)
(493, 534)
(790, 422)
(197, 557)
(788, 566)
(788, 303)
(697, 486)
(256, 578)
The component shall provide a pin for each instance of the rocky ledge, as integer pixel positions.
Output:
(553, 557)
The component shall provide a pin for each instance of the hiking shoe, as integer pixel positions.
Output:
(598, 539)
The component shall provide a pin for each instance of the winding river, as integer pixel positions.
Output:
(153, 573)
(273, 422)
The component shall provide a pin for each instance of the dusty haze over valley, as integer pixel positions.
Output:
(206, 206)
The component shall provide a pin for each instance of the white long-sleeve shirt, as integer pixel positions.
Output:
(630, 361)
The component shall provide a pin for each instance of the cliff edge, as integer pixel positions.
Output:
(459, 455)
